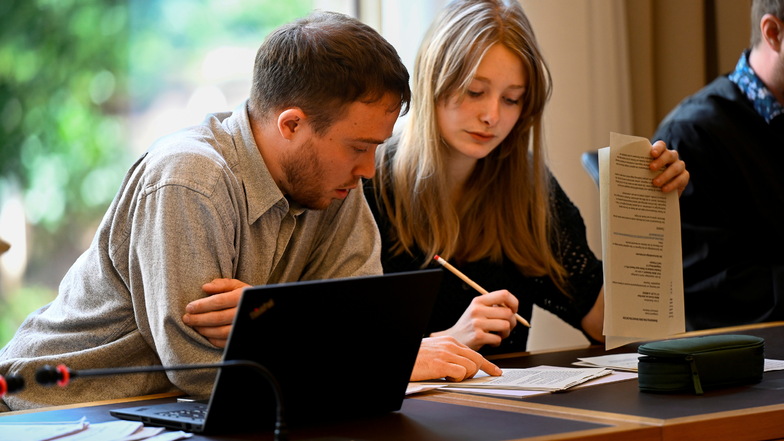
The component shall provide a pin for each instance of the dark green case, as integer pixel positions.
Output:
(694, 364)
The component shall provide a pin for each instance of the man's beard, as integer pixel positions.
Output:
(304, 176)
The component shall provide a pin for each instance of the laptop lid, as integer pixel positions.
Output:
(339, 348)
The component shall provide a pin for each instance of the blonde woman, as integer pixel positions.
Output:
(466, 179)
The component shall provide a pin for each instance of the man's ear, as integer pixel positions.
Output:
(772, 30)
(291, 122)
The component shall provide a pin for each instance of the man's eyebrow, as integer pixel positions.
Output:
(368, 141)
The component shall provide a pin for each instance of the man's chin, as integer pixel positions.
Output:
(321, 201)
(322, 206)
(315, 204)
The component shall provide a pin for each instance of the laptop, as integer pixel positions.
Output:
(339, 348)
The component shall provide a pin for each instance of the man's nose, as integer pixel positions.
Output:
(366, 167)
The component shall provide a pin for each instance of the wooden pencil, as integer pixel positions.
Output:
(472, 284)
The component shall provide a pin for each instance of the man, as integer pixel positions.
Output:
(731, 133)
(262, 194)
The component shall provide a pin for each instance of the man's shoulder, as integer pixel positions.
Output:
(205, 139)
(713, 100)
(200, 150)
(717, 107)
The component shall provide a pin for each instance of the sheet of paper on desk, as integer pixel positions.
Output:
(774, 365)
(622, 362)
(41, 430)
(542, 378)
(84, 431)
(641, 247)
(628, 362)
(515, 392)
(545, 378)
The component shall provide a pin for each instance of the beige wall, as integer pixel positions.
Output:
(590, 99)
(668, 38)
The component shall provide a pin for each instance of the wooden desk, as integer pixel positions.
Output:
(419, 419)
(754, 412)
(612, 412)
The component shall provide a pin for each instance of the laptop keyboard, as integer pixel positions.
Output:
(195, 413)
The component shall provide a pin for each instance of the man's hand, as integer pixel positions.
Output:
(212, 316)
(674, 175)
(487, 320)
(445, 357)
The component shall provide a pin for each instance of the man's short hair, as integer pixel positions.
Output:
(758, 10)
(322, 63)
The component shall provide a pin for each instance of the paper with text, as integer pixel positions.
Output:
(614, 377)
(542, 378)
(641, 247)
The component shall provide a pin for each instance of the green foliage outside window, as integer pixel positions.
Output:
(72, 72)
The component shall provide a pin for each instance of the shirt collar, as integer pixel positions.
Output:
(262, 191)
(755, 90)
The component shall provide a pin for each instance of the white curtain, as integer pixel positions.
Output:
(585, 45)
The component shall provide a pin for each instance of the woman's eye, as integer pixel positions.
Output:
(473, 94)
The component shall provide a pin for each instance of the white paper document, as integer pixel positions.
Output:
(41, 431)
(621, 362)
(641, 247)
(82, 430)
(614, 377)
(549, 378)
(774, 365)
(628, 362)
(542, 378)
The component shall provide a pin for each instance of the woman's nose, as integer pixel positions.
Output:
(489, 113)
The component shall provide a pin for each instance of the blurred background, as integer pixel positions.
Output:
(87, 85)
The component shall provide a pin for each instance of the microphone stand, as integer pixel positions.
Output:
(61, 375)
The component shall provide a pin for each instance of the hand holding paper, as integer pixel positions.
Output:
(643, 274)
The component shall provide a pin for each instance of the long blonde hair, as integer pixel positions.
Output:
(505, 208)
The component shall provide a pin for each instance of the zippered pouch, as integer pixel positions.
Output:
(696, 364)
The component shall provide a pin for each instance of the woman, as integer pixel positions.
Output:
(466, 179)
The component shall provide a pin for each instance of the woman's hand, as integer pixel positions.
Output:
(674, 175)
(487, 320)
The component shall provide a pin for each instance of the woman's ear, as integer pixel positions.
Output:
(290, 122)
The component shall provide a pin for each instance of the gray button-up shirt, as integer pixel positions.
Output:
(198, 205)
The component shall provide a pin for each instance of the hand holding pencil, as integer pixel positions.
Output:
(473, 284)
